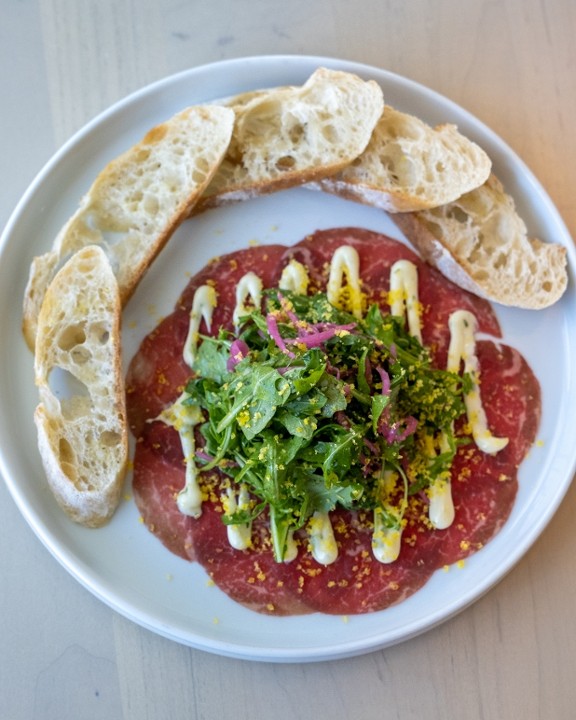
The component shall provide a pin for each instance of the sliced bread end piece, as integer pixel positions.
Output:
(81, 417)
(481, 243)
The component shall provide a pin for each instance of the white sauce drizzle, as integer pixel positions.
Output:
(345, 264)
(294, 278)
(404, 295)
(183, 418)
(203, 306)
(249, 288)
(291, 549)
(386, 541)
(239, 536)
(322, 541)
(462, 348)
(441, 511)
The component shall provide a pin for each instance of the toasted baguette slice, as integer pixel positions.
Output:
(481, 244)
(137, 201)
(291, 135)
(81, 417)
(410, 166)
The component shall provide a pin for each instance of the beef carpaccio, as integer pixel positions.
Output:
(483, 486)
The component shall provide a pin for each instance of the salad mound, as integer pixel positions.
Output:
(311, 408)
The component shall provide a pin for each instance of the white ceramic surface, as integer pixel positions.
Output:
(122, 563)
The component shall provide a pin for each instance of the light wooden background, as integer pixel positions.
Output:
(64, 655)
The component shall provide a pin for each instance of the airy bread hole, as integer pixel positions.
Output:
(100, 332)
(260, 121)
(481, 275)
(389, 165)
(71, 336)
(296, 133)
(330, 133)
(67, 459)
(456, 213)
(65, 386)
(110, 439)
(198, 176)
(501, 261)
(177, 146)
(202, 166)
(69, 465)
(80, 355)
(286, 162)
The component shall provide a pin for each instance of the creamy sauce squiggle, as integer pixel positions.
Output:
(183, 418)
(441, 511)
(203, 306)
(322, 541)
(248, 288)
(345, 265)
(387, 534)
(462, 349)
(404, 300)
(294, 278)
(239, 534)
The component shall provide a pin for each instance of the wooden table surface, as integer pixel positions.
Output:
(63, 654)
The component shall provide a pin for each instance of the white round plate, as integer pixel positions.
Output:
(122, 563)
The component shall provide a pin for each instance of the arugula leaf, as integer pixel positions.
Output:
(257, 392)
(210, 362)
